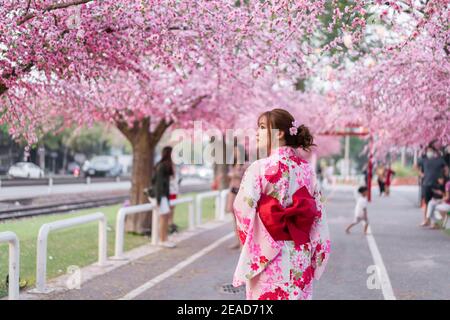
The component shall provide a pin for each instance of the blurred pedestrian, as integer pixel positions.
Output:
(235, 175)
(329, 174)
(381, 178)
(365, 172)
(444, 206)
(432, 167)
(389, 177)
(360, 210)
(161, 184)
(438, 191)
(174, 189)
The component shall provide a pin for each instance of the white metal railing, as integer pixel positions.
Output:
(192, 219)
(124, 212)
(14, 263)
(41, 264)
(120, 225)
(191, 211)
(155, 216)
(199, 200)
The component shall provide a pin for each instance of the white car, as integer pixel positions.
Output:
(25, 170)
(205, 172)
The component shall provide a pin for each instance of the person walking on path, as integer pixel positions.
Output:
(235, 175)
(360, 210)
(432, 166)
(381, 178)
(389, 177)
(280, 216)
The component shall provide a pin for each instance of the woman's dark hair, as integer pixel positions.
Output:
(362, 189)
(282, 120)
(166, 158)
(166, 154)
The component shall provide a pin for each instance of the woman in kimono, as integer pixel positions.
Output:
(279, 215)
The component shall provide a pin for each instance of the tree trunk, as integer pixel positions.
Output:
(64, 164)
(140, 179)
(403, 156)
(143, 143)
(3, 89)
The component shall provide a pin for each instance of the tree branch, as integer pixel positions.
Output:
(3, 89)
(28, 7)
(52, 7)
(129, 133)
(159, 131)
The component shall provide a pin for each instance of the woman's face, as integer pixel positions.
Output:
(261, 134)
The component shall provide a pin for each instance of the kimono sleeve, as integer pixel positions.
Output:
(258, 246)
(320, 237)
(244, 205)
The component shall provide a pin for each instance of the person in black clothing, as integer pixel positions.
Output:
(163, 170)
(365, 172)
(437, 194)
(431, 167)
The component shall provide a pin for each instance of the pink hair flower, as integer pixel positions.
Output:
(293, 129)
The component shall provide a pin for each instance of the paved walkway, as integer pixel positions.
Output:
(412, 262)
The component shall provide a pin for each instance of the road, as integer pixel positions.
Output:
(412, 262)
(193, 184)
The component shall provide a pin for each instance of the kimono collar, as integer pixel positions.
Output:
(286, 151)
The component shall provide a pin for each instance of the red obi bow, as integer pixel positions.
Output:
(291, 223)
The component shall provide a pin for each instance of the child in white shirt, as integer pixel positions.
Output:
(360, 210)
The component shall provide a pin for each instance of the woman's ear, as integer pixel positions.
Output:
(281, 134)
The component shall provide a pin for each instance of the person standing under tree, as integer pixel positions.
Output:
(163, 170)
(174, 189)
(279, 215)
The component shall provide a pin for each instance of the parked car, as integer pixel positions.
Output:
(188, 171)
(196, 171)
(102, 166)
(25, 170)
(4, 169)
(205, 173)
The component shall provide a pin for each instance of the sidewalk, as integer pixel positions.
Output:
(416, 260)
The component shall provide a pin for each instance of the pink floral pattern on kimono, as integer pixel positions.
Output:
(278, 270)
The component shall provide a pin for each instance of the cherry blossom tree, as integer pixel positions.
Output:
(402, 93)
(149, 65)
(145, 65)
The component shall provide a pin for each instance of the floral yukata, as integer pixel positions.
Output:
(282, 226)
